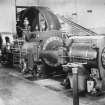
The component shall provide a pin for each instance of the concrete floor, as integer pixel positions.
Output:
(14, 90)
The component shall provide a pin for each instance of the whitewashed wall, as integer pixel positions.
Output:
(7, 16)
(26, 2)
(94, 20)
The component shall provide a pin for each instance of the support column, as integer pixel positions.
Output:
(75, 86)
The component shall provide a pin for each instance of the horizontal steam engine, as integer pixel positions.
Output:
(55, 52)
(43, 45)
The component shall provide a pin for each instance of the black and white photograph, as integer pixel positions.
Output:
(52, 52)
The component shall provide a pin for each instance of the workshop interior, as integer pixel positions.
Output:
(61, 41)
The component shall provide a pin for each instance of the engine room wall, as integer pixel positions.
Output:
(88, 13)
(26, 2)
(7, 16)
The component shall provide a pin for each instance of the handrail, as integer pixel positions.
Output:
(75, 25)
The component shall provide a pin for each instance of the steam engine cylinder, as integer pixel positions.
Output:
(80, 52)
(89, 49)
